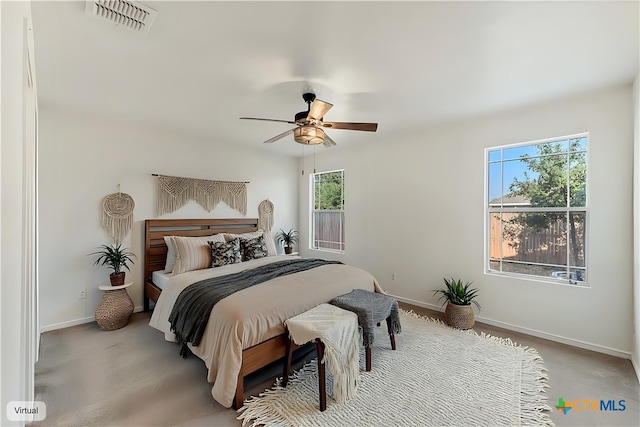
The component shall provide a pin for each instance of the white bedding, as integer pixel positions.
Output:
(256, 314)
(160, 278)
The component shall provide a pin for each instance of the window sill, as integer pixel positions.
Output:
(539, 279)
(333, 251)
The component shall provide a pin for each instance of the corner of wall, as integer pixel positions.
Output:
(15, 362)
(635, 353)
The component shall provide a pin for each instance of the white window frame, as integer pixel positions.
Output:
(488, 211)
(312, 222)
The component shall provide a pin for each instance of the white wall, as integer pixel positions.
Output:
(13, 359)
(84, 158)
(414, 207)
(636, 229)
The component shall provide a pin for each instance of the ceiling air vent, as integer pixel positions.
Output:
(125, 13)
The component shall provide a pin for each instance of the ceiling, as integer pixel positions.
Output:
(404, 65)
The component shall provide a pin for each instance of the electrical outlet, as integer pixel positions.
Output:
(83, 294)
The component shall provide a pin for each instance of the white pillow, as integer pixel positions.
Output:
(268, 239)
(271, 244)
(171, 254)
(194, 253)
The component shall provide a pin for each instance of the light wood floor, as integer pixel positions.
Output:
(133, 377)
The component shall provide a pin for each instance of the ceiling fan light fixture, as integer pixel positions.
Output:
(308, 135)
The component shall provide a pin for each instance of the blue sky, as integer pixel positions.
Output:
(513, 167)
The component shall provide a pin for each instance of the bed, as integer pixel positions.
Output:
(244, 332)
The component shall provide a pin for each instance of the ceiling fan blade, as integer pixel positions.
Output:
(277, 137)
(268, 120)
(368, 127)
(319, 109)
(328, 142)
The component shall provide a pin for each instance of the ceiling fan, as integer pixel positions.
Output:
(309, 128)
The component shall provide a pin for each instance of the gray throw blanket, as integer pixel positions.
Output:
(190, 313)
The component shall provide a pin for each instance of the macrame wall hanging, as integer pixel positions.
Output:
(265, 215)
(117, 215)
(174, 192)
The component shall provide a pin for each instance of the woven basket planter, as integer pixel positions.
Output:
(459, 316)
(114, 310)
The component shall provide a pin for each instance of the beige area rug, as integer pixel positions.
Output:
(438, 376)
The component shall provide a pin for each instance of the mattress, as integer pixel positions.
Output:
(160, 278)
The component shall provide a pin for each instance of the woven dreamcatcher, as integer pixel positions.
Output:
(117, 215)
(265, 215)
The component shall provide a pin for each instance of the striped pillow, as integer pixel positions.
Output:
(171, 254)
(271, 244)
(194, 253)
(268, 239)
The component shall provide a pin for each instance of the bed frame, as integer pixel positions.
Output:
(155, 256)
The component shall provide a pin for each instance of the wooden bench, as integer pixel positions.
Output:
(321, 325)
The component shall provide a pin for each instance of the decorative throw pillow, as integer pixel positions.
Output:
(253, 248)
(193, 253)
(225, 253)
(268, 239)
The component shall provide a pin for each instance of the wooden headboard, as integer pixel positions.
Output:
(155, 249)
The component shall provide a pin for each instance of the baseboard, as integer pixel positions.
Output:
(533, 332)
(76, 322)
(419, 303)
(636, 367)
(67, 324)
(557, 338)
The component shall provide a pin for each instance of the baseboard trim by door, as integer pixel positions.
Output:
(76, 322)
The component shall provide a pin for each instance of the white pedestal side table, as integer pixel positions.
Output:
(115, 307)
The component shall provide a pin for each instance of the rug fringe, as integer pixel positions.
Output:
(534, 410)
(259, 408)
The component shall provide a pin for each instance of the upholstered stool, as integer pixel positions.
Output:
(371, 308)
(335, 333)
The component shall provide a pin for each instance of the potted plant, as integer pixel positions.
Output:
(115, 257)
(287, 239)
(458, 296)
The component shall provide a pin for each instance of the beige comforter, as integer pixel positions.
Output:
(255, 314)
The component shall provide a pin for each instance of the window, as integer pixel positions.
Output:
(537, 209)
(327, 216)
